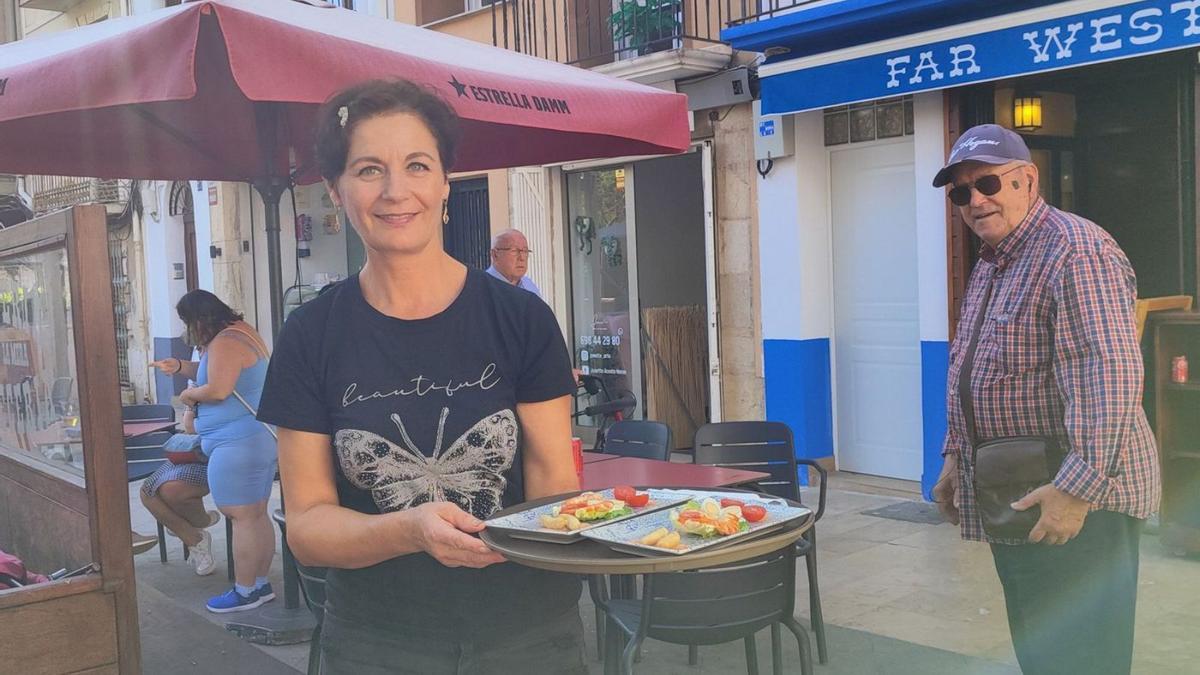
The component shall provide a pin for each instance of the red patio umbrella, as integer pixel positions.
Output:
(228, 89)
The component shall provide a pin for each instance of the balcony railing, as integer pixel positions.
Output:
(757, 10)
(594, 32)
(51, 193)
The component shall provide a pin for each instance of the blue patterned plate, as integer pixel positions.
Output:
(626, 536)
(527, 524)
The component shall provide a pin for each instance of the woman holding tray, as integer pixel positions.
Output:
(414, 400)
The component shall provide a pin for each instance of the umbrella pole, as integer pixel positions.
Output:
(270, 190)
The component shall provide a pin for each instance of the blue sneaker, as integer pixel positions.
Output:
(264, 593)
(232, 601)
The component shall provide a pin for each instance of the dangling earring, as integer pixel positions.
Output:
(445, 212)
(333, 221)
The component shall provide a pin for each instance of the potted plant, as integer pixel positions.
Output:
(645, 25)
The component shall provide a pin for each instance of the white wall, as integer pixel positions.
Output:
(163, 247)
(929, 144)
(794, 233)
(202, 219)
(794, 238)
(780, 250)
(42, 22)
(815, 236)
(143, 6)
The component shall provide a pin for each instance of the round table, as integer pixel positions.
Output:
(593, 557)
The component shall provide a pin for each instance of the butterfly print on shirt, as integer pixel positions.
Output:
(469, 473)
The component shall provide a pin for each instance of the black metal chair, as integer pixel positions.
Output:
(312, 587)
(61, 392)
(147, 413)
(141, 459)
(144, 454)
(714, 606)
(633, 438)
(768, 447)
(644, 439)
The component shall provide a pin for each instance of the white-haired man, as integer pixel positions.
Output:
(510, 260)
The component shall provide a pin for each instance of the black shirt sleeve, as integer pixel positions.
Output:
(546, 364)
(292, 394)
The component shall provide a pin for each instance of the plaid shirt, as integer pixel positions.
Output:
(1057, 356)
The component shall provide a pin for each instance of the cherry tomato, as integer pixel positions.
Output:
(638, 499)
(728, 501)
(623, 492)
(753, 513)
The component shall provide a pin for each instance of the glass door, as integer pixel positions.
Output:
(604, 279)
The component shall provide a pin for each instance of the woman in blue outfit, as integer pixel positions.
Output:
(241, 451)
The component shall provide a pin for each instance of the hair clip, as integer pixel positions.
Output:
(343, 114)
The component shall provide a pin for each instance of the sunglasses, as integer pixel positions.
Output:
(960, 195)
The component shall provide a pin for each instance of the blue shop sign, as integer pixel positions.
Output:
(1124, 31)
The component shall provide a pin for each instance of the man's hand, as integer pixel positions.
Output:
(945, 491)
(1062, 515)
(444, 531)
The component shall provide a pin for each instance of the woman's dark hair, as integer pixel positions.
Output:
(381, 97)
(204, 315)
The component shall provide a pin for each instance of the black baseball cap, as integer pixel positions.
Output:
(987, 143)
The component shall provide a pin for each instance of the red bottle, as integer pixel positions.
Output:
(577, 452)
(1179, 370)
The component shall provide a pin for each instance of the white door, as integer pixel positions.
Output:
(529, 212)
(877, 342)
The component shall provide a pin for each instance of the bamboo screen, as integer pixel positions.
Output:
(676, 369)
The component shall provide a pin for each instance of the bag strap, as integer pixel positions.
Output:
(968, 365)
(256, 344)
(254, 412)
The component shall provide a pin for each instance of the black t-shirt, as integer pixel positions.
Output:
(421, 411)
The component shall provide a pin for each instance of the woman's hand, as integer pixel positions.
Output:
(167, 366)
(444, 531)
(187, 397)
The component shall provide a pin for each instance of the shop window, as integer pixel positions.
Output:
(861, 122)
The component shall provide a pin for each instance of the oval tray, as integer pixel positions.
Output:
(591, 557)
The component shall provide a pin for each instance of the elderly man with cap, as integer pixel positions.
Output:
(510, 260)
(1046, 433)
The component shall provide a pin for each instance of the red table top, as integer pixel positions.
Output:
(132, 429)
(655, 473)
(589, 457)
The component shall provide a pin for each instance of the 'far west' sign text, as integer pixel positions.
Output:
(1116, 32)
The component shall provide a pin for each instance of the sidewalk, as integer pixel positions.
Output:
(899, 597)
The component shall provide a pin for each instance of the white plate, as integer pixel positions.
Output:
(527, 524)
(625, 536)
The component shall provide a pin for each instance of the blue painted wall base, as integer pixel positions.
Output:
(935, 363)
(166, 386)
(798, 393)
